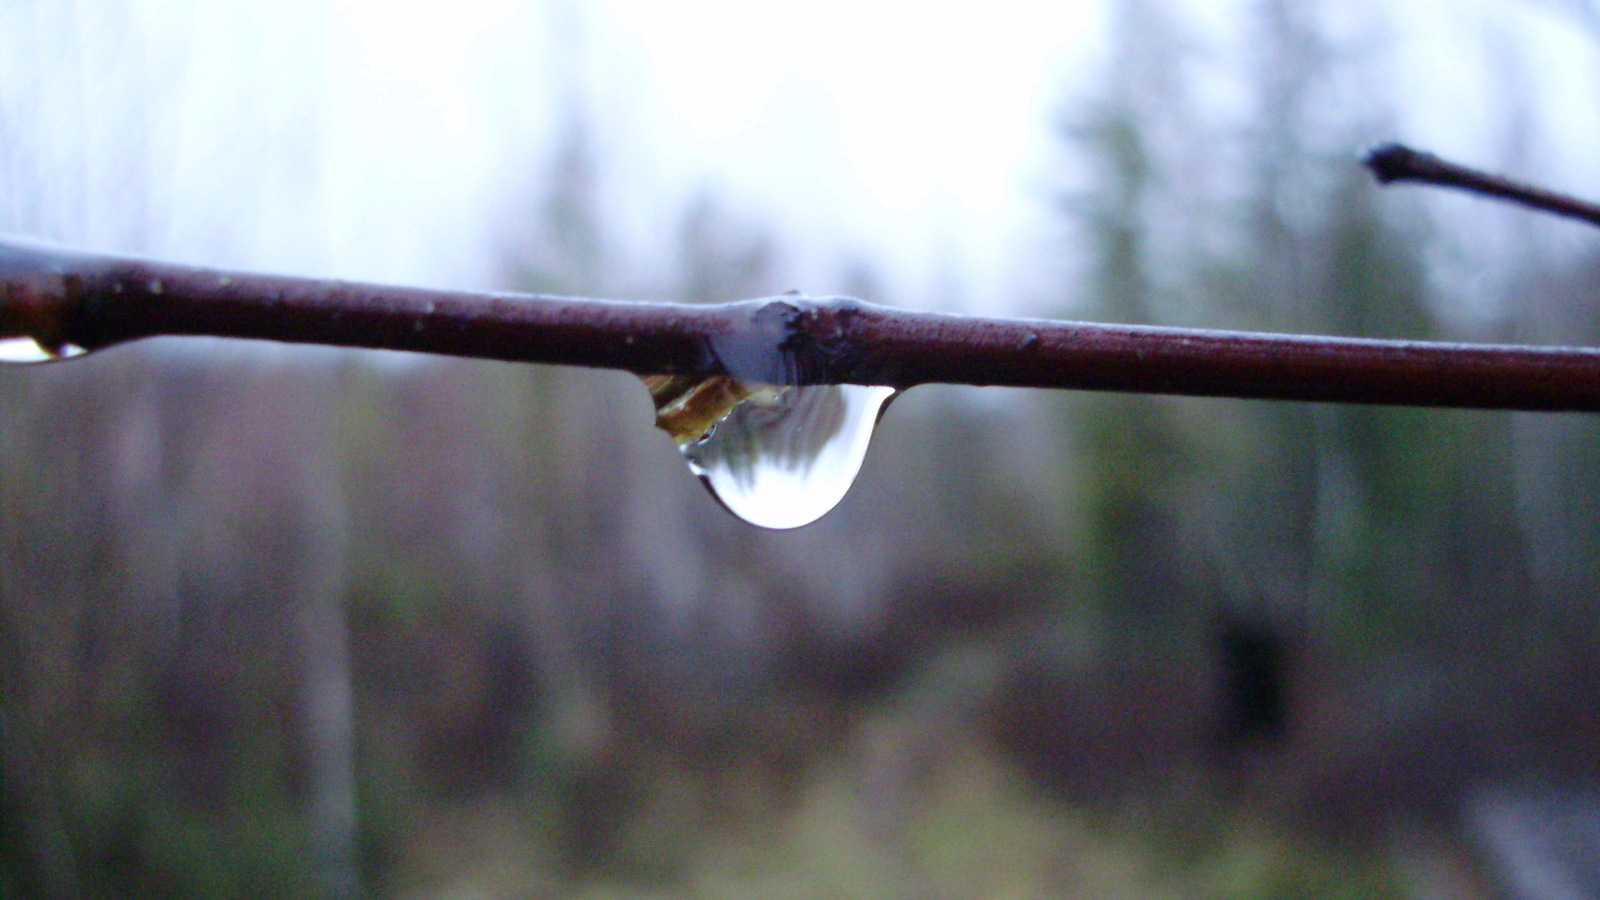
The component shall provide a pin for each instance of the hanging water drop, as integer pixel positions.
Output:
(777, 457)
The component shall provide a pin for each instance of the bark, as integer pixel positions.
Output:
(64, 300)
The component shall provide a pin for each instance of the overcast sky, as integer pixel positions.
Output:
(389, 140)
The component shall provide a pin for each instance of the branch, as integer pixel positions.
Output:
(62, 299)
(1395, 162)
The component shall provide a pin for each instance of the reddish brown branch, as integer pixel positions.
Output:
(63, 297)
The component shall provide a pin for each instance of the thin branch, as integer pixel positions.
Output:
(62, 299)
(1395, 162)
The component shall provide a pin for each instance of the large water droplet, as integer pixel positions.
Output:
(777, 457)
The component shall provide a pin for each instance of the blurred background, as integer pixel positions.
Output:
(311, 623)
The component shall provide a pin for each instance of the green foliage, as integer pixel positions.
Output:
(975, 830)
(1341, 517)
(572, 675)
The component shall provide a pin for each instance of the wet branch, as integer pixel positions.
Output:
(61, 300)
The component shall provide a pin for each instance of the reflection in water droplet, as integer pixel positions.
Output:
(28, 350)
(777, 457)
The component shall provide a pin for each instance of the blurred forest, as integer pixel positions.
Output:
(316, 623)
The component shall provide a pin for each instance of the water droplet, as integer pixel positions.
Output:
(39, 287)
(28, 350)
(777, 457)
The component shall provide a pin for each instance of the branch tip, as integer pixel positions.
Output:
(1390, 162)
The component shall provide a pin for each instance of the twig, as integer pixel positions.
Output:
(63, 298)
(1395, 162)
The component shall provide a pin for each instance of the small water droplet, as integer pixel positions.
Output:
(28, 350)
(40, 288)
(1029, 342)
(777, 457)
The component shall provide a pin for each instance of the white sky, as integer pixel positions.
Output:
(387, 139)
(379, 138)
(908, 134)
